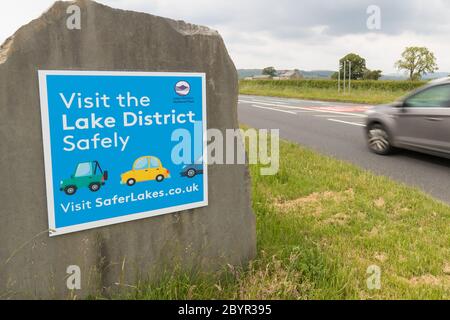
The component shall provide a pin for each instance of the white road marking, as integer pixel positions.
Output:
(310, 109)
(347, 122)
(274, 109)
(249, 104)
(304, 111)
(289, 101)
(293, 100)
(315, 102)
(335, 116)
(268, 101)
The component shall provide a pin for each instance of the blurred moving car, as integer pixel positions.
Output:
(191, 170)
(420, 122)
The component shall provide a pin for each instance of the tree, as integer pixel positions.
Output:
(269, 71)
(417, 61)
(358, 66)
(372, 74)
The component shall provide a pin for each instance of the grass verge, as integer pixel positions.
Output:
(320, 224)
(366, 96)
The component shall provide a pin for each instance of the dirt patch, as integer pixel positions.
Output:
(380, 256)
(373, 232)
(446, 268)
(379, 203)
(338, 219)
(313, 198)
(429, 279)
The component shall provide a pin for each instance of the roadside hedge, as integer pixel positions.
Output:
(386, 85)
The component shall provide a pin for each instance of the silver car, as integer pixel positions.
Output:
(420, 122)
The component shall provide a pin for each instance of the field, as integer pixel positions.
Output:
(370, 92)
(321, 223)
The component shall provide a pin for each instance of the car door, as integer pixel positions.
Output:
(424, 120)
(83, 174)
(155, 167)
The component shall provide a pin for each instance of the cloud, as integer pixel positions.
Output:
(290, 18)
(307, 34)
(311, 34)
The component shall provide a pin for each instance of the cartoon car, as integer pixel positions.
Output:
(145, 168)
(87, 175)
(191, 170)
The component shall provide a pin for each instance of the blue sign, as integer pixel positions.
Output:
(122, 146)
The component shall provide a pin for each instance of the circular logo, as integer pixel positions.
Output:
(182, 88)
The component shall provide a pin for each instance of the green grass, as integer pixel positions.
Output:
(369, 96)
(320, 224)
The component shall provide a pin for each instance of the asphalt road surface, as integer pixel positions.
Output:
(337, 129)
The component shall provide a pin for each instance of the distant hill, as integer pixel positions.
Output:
(326, 74)
(428, 76)
(436, 75)
(244, 73)
(393, 76)
(314, 74)
(317, 74)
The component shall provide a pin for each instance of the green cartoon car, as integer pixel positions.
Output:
(87, 175)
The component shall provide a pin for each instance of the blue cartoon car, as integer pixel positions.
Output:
(191, 170)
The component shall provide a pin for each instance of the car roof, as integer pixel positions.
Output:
(147, 157)
(439, 81)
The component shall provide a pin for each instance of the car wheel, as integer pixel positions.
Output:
(378, 139)
(94, 187)
(160, 178)
(191, 173)
(131, 182)
(70, 190)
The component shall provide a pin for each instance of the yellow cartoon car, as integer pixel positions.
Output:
(145, 168)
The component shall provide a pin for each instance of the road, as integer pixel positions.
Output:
(337, 129)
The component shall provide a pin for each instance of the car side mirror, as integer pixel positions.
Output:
(402, 106)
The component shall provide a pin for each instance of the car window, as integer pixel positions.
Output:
(435, 97)
(141, 163)
(154, 163)
(83, 170)
(199, 160)
(97, 169)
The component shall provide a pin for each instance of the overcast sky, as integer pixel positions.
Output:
(305, 34)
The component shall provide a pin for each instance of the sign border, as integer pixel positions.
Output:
(45, 123)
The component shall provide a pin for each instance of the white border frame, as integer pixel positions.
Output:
(53, 231)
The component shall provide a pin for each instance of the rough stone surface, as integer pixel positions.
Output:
(32, 265)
